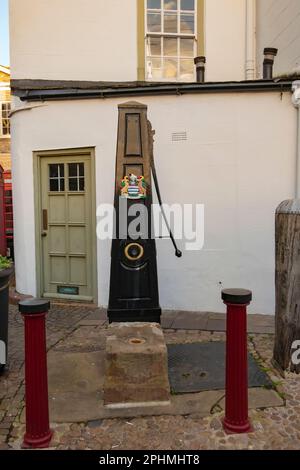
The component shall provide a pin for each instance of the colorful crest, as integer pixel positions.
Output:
(133, 187)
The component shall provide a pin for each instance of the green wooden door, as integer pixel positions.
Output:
(66, 227)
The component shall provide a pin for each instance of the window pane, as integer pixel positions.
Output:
(187, 69)
(81, 184)
(4, 118)
(56, 177)
(53, 185)
(81, 169)
(186, 47)
(5, 109)
(170, 4)
(170, 23)
(187, 4)
(56, 170)
(170, 68)
(170, 47)
(53, 171)
(154, 22)
(154, 4)
(72, 169)
(187, 24)
(154, 69)
(154, 45)
(5, 127)
(73, 186)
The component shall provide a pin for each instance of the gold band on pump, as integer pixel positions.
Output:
(133, 245)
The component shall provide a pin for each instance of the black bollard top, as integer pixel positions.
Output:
(236, 296)
(32, 306)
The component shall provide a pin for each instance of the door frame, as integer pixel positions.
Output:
(37, 157)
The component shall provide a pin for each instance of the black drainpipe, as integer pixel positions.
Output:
(200, 68)
(269, 54)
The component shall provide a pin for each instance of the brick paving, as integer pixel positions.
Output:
(73, 327)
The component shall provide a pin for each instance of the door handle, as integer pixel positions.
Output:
(45, 219)
(44, 234)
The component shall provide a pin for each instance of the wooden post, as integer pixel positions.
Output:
(287, 279)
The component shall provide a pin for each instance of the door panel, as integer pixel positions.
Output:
(66, 227)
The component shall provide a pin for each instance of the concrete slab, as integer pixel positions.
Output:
(76, 372)
(264, 398)
(216, 324)
(168, 318)
(84, 339)
(190, 321)
(212, 321)
(216, 316)
(187, 404)
(267, 320)
(76, 393)
(260, 398)
(91, 323)
(98, 314)
(75, 386)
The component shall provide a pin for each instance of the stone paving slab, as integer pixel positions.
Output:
(90, 322)
(260, 398)
(211, 321)
(190, 321)
(186, 320)
(167, 318)
(177, 319)
(216, 324)
(76, 393)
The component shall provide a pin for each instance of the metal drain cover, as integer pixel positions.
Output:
(201, 366)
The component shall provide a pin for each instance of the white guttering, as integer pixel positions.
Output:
(296, 103)
(250, 63)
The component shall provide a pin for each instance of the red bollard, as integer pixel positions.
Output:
(236, 400)
(38, 433)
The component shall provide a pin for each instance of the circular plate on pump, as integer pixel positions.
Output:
(134, 251)
(133, 254)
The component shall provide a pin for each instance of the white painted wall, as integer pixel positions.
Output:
(97, 39)
(73, 39)
(278, 25)
(225, 40)
(239, 160)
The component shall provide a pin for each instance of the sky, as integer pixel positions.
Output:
(4, 47)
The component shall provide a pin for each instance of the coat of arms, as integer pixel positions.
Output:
(134, 187)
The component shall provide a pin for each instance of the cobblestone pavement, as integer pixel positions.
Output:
(61, 323)
(74, 328)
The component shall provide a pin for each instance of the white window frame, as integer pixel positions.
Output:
(3, 136)
(178, 35)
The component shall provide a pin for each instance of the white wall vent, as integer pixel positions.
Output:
(179, 136)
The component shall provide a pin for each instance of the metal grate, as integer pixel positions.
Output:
(179, 136)
(201, 366)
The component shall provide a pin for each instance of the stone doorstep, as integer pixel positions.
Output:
(76, 393)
